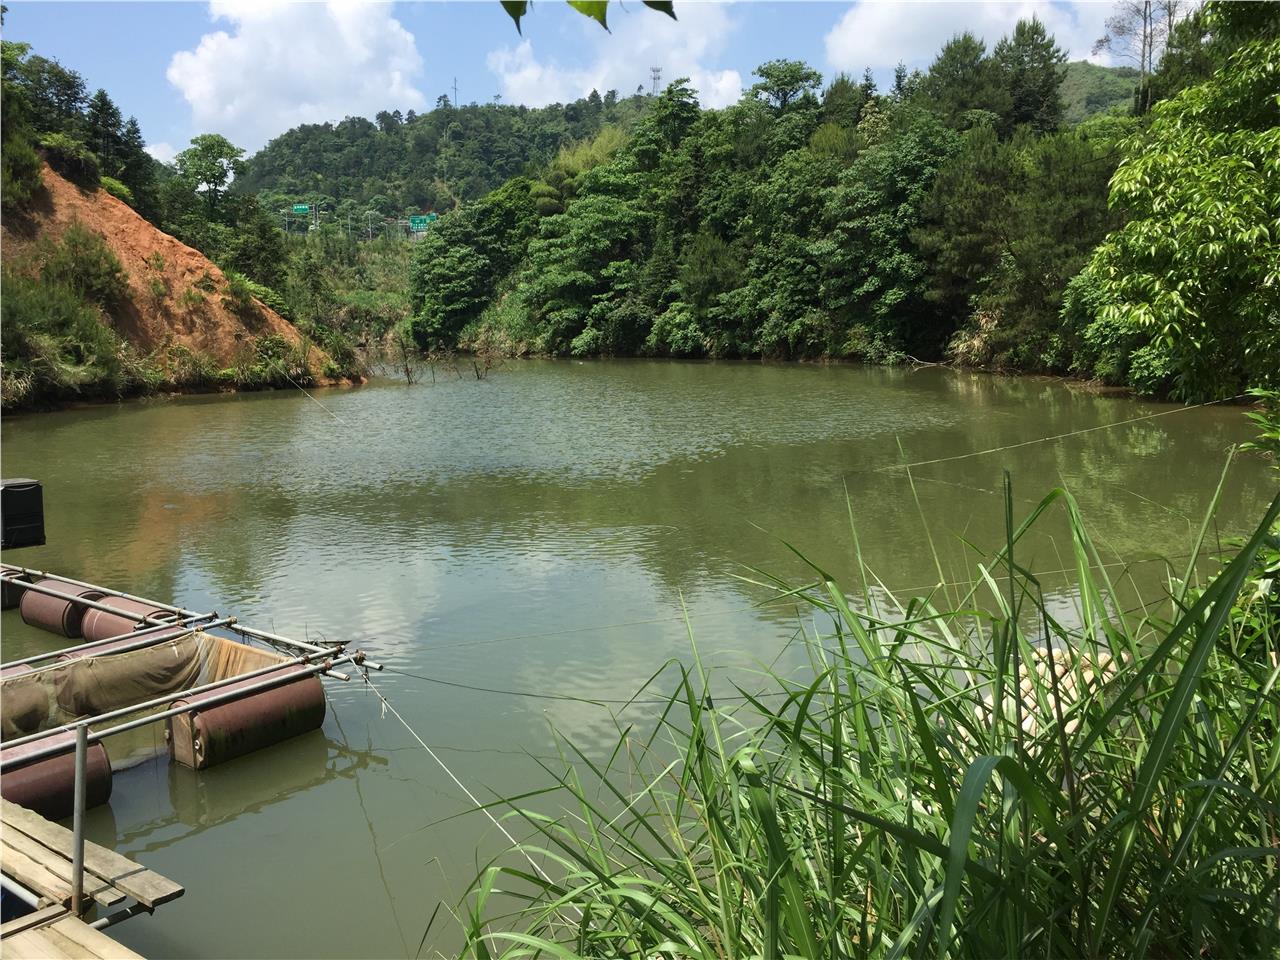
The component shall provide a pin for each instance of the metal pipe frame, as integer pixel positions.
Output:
(332, 656)
(145, 636)
(276, 638)
(28, 897)
(95, 605)
(44, 574)
(111, 919)
(94, 737)
(77, 827)
(12, 569)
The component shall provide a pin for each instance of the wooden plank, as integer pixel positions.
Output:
(33, 875)
(68, 938)
(61, 867)
(91, 942)
(33, 919)
(120, 872)
(30, 945)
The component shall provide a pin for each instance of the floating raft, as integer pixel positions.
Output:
(220, 698)
(62, 717)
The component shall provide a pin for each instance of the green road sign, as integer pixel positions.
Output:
(301, 208)
(418, 224)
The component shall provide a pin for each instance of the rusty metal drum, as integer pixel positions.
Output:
(48, 785)
(12, 586)
(54, 613)
(101, 625)
(206, 737)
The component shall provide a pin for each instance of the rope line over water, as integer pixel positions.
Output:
(315, 401)
(749, 608)
(387, 707)
(590, 701)
(1058, 436)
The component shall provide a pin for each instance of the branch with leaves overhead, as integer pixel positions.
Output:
(597, 10)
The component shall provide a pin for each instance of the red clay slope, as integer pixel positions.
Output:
(157, 315)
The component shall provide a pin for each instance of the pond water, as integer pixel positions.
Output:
(540, 532)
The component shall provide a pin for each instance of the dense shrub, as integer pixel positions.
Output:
(56, 346)
(71, 158)
(84, 263)
(269, 361)
(117, 189)
(20, 180)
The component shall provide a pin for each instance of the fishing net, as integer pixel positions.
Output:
(69, 690)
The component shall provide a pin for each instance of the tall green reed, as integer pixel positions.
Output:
(985, 780)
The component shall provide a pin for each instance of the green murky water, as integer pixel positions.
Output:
(535, 532)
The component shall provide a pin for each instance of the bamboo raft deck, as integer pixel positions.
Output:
(37, 854)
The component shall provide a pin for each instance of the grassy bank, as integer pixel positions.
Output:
(981, 774)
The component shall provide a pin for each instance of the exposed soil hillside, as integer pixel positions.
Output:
(177, 295)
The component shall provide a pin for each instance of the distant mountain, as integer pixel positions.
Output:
(1089, 88)
(429, 161)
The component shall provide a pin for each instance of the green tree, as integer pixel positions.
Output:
(874, 279)
(209, 164)
(55, 95)
(1029, 64)
(963, 78)
(784, 82)
(1194, 275)
(842, 102)
(103, 127)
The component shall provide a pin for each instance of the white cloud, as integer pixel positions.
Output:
(161, 151)
(878, 34)
(621, 60)
(281, 64)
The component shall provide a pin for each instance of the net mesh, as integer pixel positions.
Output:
(73, 689)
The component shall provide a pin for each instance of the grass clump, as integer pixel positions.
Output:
(57, 341)
(984, 778)
(269, 361)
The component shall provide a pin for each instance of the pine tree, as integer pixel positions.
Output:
(964, 78)
(102, 132)
(1029, 64)
(138, 168)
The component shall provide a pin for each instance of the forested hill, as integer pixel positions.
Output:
(1089, 89)
(434, 160)
(428, 161)
(956, 216)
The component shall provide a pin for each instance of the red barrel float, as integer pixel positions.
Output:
(101, 625)
(12, 585)
(206, 737)
(54, 613)
(48, 785)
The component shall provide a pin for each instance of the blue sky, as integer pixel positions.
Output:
(251, 69)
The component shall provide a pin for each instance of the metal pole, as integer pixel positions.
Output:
(77, 839)
(246, 631)
(95, 605)
(112, 919)
(280, 680)
(144, 636)
(276, 638)
(168, 698)
(138, 618)
(107, 590)
(19, 891)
